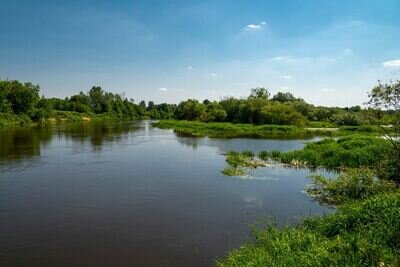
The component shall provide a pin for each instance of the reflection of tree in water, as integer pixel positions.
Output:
(23, 145)
(191, 142)
(98, 134)
(20, 144)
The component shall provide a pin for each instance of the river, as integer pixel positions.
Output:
(128, 194)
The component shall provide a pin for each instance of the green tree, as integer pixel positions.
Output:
(283, 97)
(96, 96)
(260, 92)
(22, 97)
(281, 114)
(231, 106)
(190, 109)
(214, 112)
(386, 96)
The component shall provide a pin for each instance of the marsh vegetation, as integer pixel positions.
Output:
(365, 230)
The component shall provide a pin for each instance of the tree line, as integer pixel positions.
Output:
(259, 107)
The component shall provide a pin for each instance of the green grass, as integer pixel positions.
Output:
(360, 233)
(10, 120)
(350, 185)
(349, 151)
(239, 162)
(231, 130)
(72, 116)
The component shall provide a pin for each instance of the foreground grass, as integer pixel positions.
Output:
(361, 233)
(365, 230)
(230, 130)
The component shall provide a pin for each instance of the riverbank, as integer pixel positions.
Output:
(13, 120)
(230, 130)
(365, 229)
(360, 233)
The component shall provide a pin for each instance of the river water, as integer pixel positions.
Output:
(128, 194)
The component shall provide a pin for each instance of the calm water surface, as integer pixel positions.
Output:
(132, 195)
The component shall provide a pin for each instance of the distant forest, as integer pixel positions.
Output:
(24, 100)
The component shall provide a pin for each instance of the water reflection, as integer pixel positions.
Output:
(20, 146)
(96, 134)
(132, 195)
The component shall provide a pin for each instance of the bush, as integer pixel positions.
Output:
(350, 185)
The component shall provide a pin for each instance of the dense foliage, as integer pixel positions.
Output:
(20, 103)
(259, 108)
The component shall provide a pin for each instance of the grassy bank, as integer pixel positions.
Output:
(230, 130)
(72, 116)
(12, 120)
(360, 233)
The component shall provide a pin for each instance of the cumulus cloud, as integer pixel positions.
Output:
(255, 27)
(392, 63)
(285, 77)
(163, 89)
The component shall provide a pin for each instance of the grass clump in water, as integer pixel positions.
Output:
(240, 162)
(349, 151)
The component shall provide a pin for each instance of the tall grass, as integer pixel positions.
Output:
(8, 120)
(349, 151)
(361, 233)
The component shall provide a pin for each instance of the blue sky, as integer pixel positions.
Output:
(327, 52)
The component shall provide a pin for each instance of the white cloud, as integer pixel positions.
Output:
(190, 67)
(255, 27)
(392, 63)
(163, 89)
(286, 77)
(214, 75)
(278, 58)
(327, 90)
